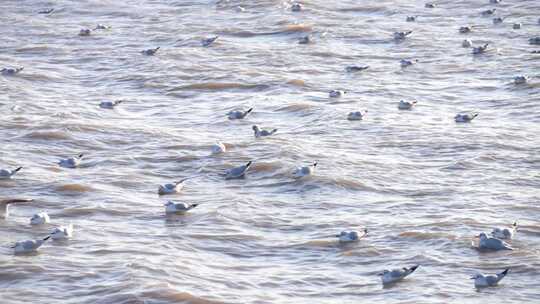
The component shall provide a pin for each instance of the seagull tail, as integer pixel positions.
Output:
(273, 131)
(157, 48)
(46, 238)
(503, 274)
(248, 111)
(413, 268)
(474, 115)
(15, 200)
(315, 164)
(193, 206)
(248, 164)
(16, 170)
(80, 155)
(515, 226)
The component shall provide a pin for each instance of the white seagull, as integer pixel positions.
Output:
(356, 68)
(7, 174)
(468, 117)
(349, 236)
(521, 79)
(336, 93)
(85, 32)
(29, 245)
(102, 27)
(505, 233)
(498, 20)
(150, 52)
(40, 219)
(110, 104)
(401, 35)
(262, 132)
(356, 115)
(467, 43)
(173, 188)
(489, 12)
(406, 105)
(11, 71)
(238, 172)
(405, 63)
(492, 243)
(304, 171)
(4, 205)
(236, 114)
(480, 49)
(219, 148)
(296, 7)
(395, 275)
(62, 232)
(465, 29)
(481, 280)
(516, 26)
(411, 18)
(179, 208)
(71, 162)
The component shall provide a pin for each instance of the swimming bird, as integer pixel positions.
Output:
(236, 114)
(179, 208)
(296, 7)
(498, 20)
(336, 93)
(238, 172)
(11, 71)
(395, 275)
(40, 219)
(429, 5)
(218, 148)
(4, 204)
(7, 174)
(29, 245)
(465, 29)
(492, 243)
(521, 79)
(495, 1)
(504, 233)
(262, 132)
(411, 18)
(304, 40)
(71, 162)
(348, 236)
(401, 35)
(356, 115)
(489, 12)
(304, 171)
(516, 26)
(102, 27)
(481, 280)
(405, 62)
(208, 41)
(467, 117)
(356, 68)
(85, 32)
(480, 49)
(110, 104)
(467, 43)
(406, 105)
(46, 11)
(173, 188)
(62, 232)
(534, 40)
(150, 52)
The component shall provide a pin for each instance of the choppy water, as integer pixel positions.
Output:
(422, 184)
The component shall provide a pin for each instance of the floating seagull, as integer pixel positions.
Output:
(467, 43)
(11, 71)
(429, 5)
(465, 117)
(4, 204)
(85, 32)
(208, 41)
(494, 1)
(395, 275)
(336, 93)
(498, 20)
(516, 26)
(489, 12)
(356, 68)
(72, 162)
(492, 243)
(401, 35)
(356, 115)
(171, 207)
(406, 105)
(405, 63)
(172, 188)
(349, 236)
(521, 79)
(480, 49)
(7, 174)
(102, 27)
(504, 233)
(481, 280)
(40, 219)
(534, 40)
(46, 11)
(465, 29)
(304, 40)
(411, 18)
(62, 232)
(262, 132)
(150, 52)
(238, 114)
(218, 148)
(304, 171)
(29, 246)
(296, 7)
(238, 172)
(110, 104)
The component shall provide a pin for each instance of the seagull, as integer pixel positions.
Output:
(176, 187)
(465, 117)
(218, 148)
(505, 233)
(85, 32)
(480, 49)
(357, 115)
(405, 63)
(336, 93)
(489, 12)
(110, 104)
(40, 219)
(467, 43)
(72, 162)
(262, 132)
(395, 275)
(150, 52)
(208, 41)
(356, 68)
(535, 40)
(304, 40)
(429, 5)
(411, 18)
(492, 243)
(11, 71)
(349, 236)
(406, 105)
(498, 20)
(521, 79)
(238, 114)
(46, 11)
(7, 174)
(296, 7)
(4, 204)
(29, 245)
(179, 208)
(102, 27)
(401, 35)
(465, 29)
(305, 170)
(238, 172)
(481, 280)
(495, 1)
(516, 26)
(62, 232)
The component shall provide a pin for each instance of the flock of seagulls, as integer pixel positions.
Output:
(494, 242)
